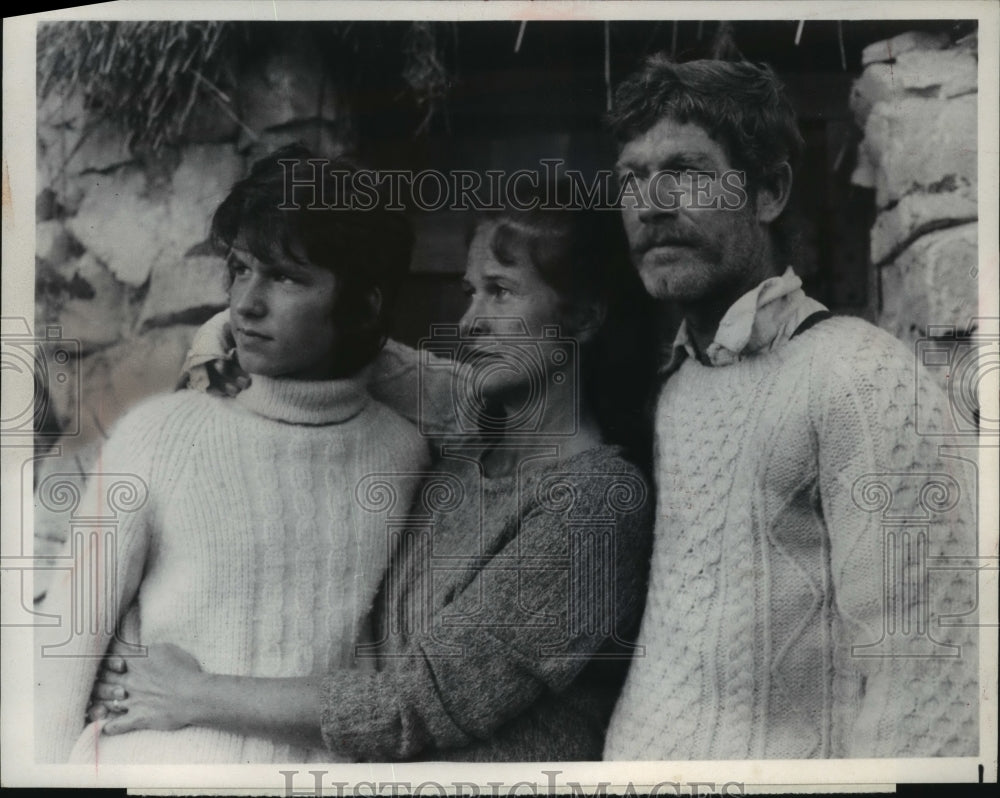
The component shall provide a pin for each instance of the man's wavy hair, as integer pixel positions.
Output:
(741, 105)
(366, 248)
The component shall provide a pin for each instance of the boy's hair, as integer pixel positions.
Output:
(741, 105)
(367, 247)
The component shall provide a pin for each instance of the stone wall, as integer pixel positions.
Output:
(916, 103)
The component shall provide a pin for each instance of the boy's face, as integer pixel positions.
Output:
(281, 314)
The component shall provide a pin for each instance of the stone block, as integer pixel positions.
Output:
(202, 180)
(71, 144)
(919, 73)
(188, 291)
(212, 120)
(116, 378)
(889, 49)
(133, 232)
(917, 214)
(948, 73)
(85, 299)
(287, 87)
(865, 172)
(932, 282)
(54, 243)
(120, 225)
(921, 144)
(875, 85)
(204, 176)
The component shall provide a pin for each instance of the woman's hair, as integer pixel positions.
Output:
(582, 253)
(328, 223)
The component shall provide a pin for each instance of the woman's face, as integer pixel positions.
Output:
(281, 314)
(507, 300)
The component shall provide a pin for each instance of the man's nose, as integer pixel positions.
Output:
(249, 299)
(659, 197)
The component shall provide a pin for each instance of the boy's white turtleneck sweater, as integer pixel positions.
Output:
(250, 551)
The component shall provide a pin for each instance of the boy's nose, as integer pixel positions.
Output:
(250, 301)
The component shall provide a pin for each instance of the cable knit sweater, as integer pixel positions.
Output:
(780, 476)
(250, 551)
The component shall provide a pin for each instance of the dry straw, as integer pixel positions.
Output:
(143, 76)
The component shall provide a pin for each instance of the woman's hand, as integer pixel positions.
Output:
(159, 691)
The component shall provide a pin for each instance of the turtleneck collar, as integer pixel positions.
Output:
(312, 402)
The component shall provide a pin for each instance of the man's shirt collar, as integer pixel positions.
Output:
(759, 321)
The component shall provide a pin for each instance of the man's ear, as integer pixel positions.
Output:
(773, 192)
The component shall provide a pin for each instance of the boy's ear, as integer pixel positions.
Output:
(585, 319)
(373, 302)
(773, 192)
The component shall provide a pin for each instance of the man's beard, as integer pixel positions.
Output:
(702, 271)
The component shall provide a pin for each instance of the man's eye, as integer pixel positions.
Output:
(501, 292)
(238, 269)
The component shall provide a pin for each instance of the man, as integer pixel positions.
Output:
(785, 617)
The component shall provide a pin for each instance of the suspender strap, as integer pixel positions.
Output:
(811, 321)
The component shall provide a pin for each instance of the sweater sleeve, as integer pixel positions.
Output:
(103, 560)
(527, 623)
(893, 502)
(418, 385)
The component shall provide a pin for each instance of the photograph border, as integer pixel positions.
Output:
(855, 775)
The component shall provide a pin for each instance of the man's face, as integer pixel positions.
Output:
(281, 314)
(686, 244)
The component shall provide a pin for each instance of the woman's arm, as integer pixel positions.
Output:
(168, 690)
(523, 628)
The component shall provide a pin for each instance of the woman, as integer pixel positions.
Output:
(502, 634)
(249, 549)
